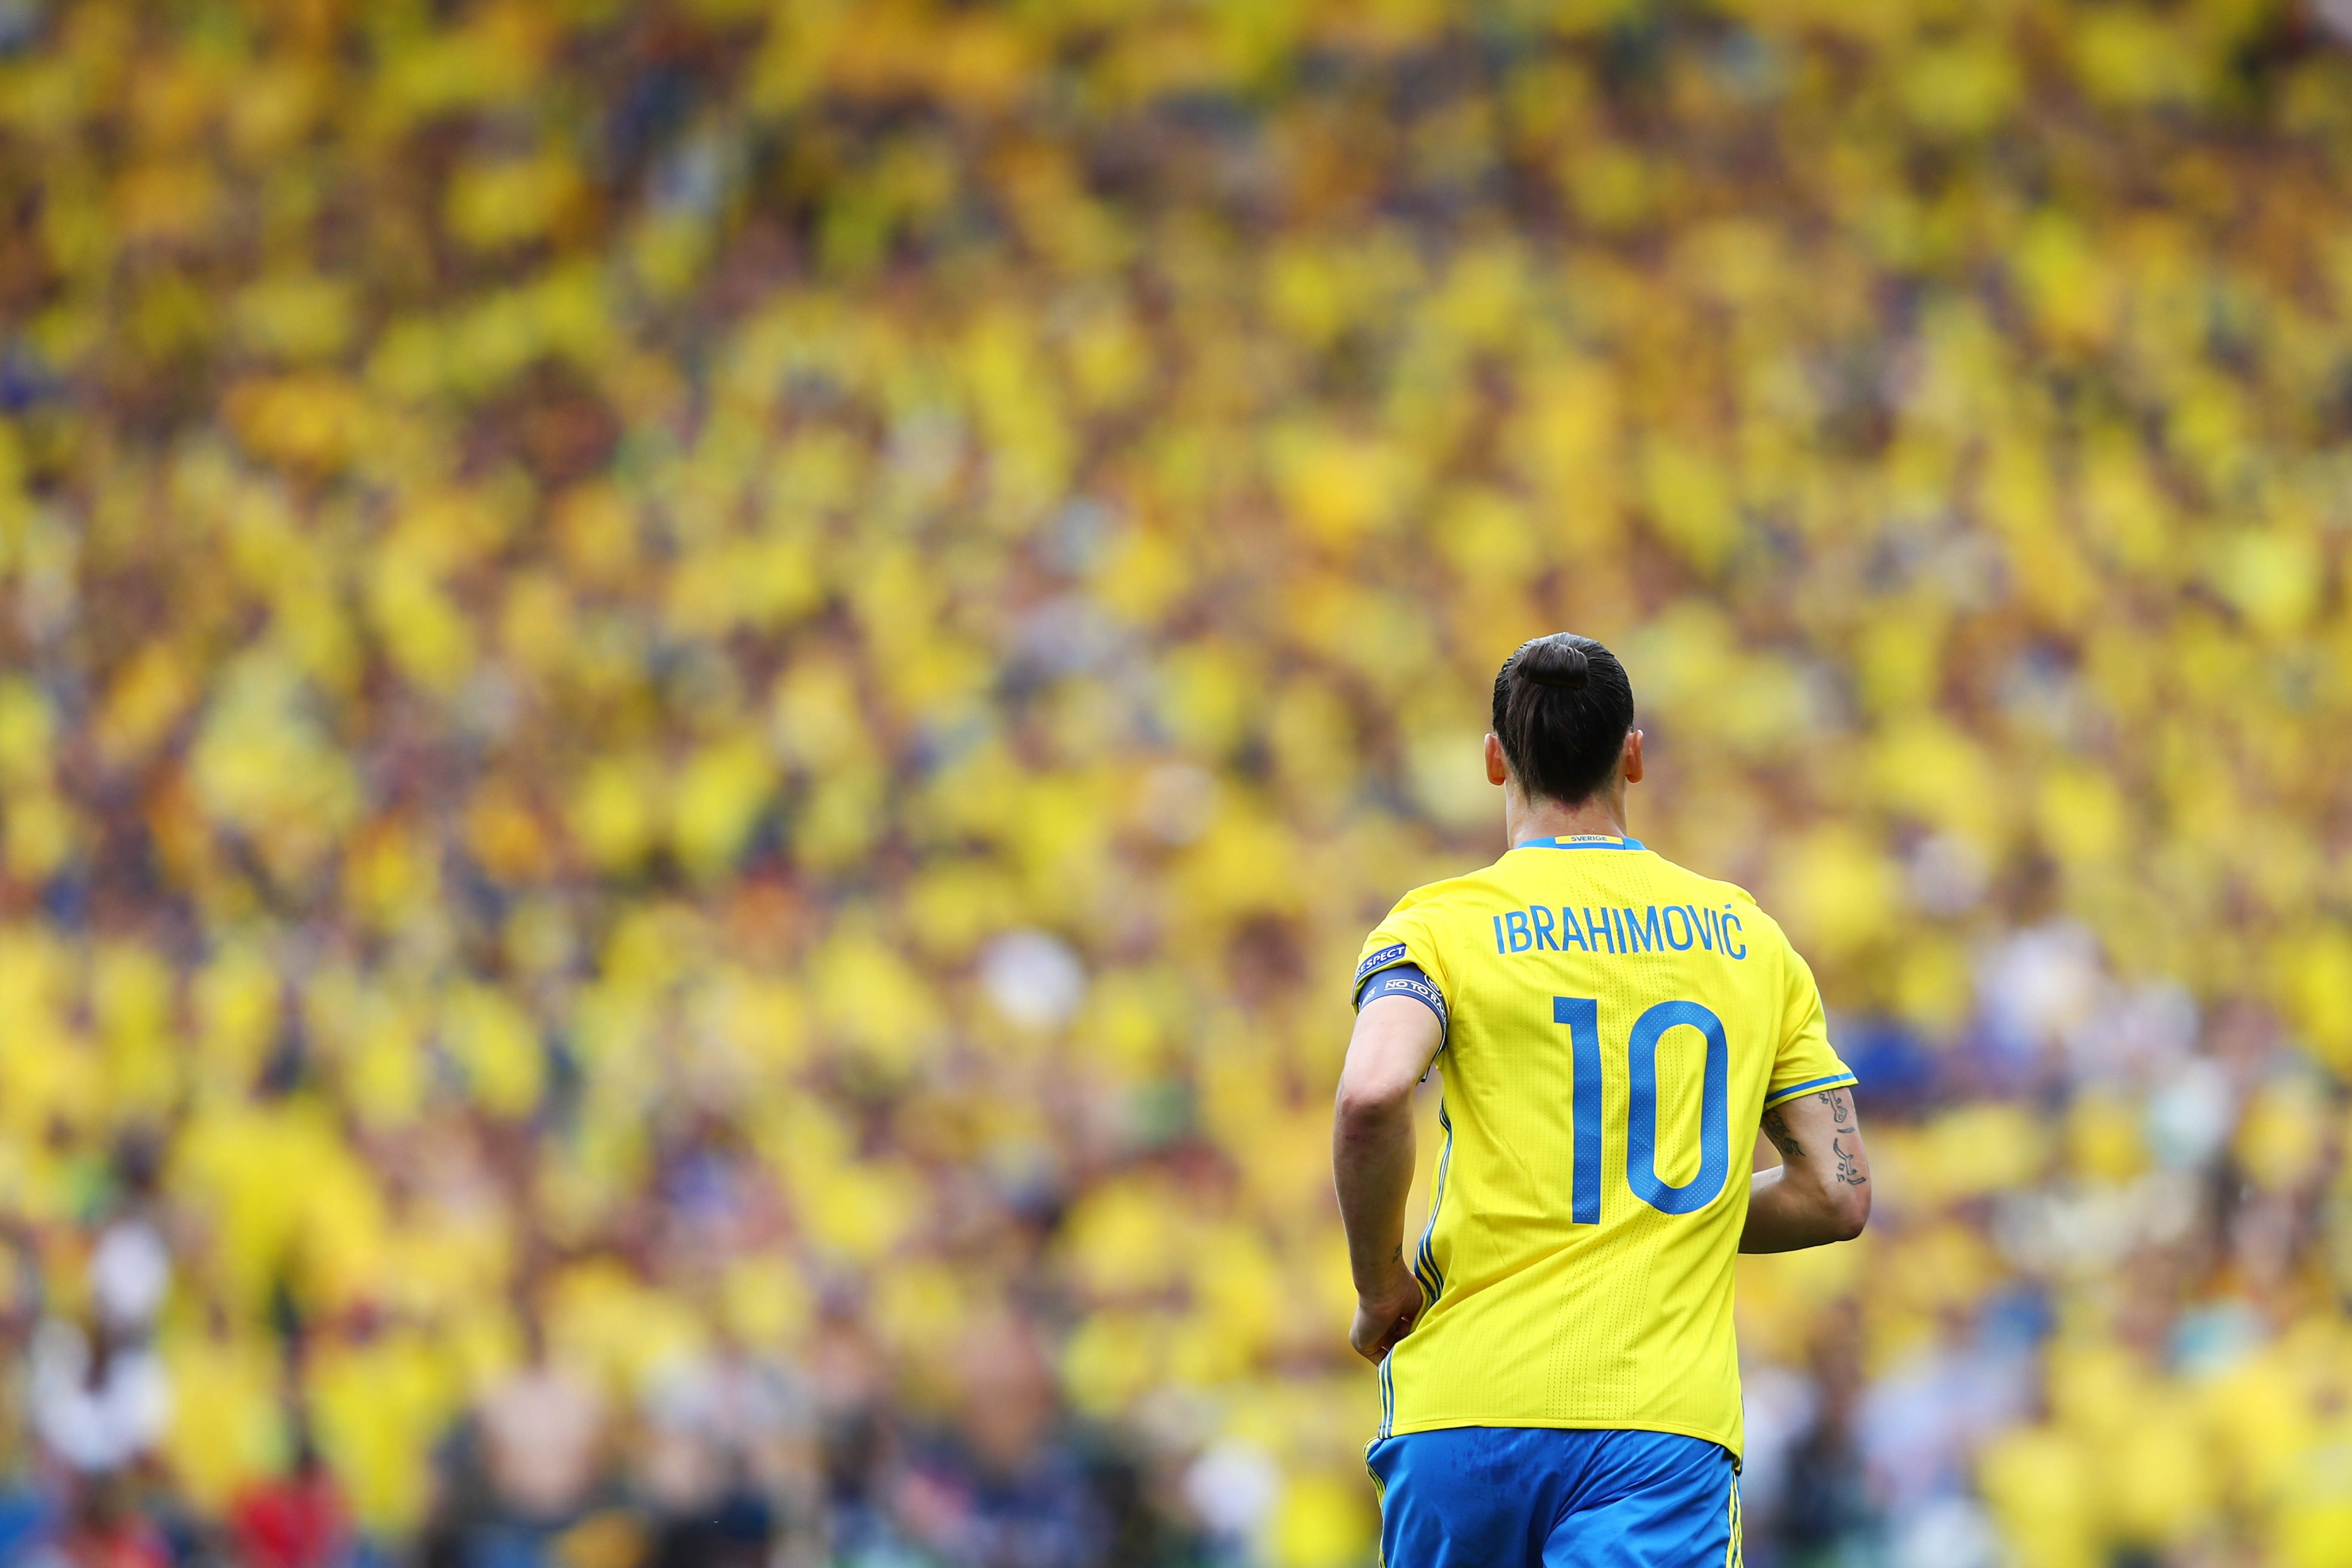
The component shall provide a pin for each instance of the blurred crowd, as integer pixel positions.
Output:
(699, 703)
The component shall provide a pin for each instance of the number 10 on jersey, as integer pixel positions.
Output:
(1583, 1016)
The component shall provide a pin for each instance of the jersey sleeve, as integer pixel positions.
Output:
(1805, 1064)
(1402, 958)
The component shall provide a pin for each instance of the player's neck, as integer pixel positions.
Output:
(1528, 820)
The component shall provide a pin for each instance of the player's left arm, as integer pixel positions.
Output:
(1820, 1192)
(1395, 1040)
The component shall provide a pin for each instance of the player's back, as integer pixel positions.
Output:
(1616, 1027)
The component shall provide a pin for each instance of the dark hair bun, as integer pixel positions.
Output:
(1562, 706)
(1555, 661)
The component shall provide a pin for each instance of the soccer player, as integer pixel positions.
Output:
(1558, 1378)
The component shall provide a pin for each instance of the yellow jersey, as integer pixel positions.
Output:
(1615, 1027)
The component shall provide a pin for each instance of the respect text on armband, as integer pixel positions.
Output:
(1658, 928)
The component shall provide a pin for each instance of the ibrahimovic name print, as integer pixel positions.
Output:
(1678, 928)
(1656, 928)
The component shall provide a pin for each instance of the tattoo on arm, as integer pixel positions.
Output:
(1776, 1128)
(1835, 1100)
(1847, 1170)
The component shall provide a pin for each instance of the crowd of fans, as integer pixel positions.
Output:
(699, 703)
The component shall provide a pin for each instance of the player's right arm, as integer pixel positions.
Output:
(1395, 1040)
(1820, 1192)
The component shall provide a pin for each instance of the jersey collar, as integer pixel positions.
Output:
(1583, 841)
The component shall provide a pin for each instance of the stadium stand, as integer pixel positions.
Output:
(698, 705)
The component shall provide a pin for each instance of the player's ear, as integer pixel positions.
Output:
(1632, 756)
(1496, 770)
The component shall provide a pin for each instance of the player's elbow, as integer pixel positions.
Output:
(1849, 1211)
(1370, 1100)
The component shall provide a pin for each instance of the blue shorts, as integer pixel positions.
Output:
(1528, 1496)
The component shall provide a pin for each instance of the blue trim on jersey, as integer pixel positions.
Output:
(1533, 1497)
(1407, 979)
(1424, 1268)
(1836, 1080)
(1581, 841)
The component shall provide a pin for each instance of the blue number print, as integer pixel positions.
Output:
(1641, 1113)
(1583, 1016)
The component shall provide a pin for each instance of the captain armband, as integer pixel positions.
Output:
(1405, 980)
